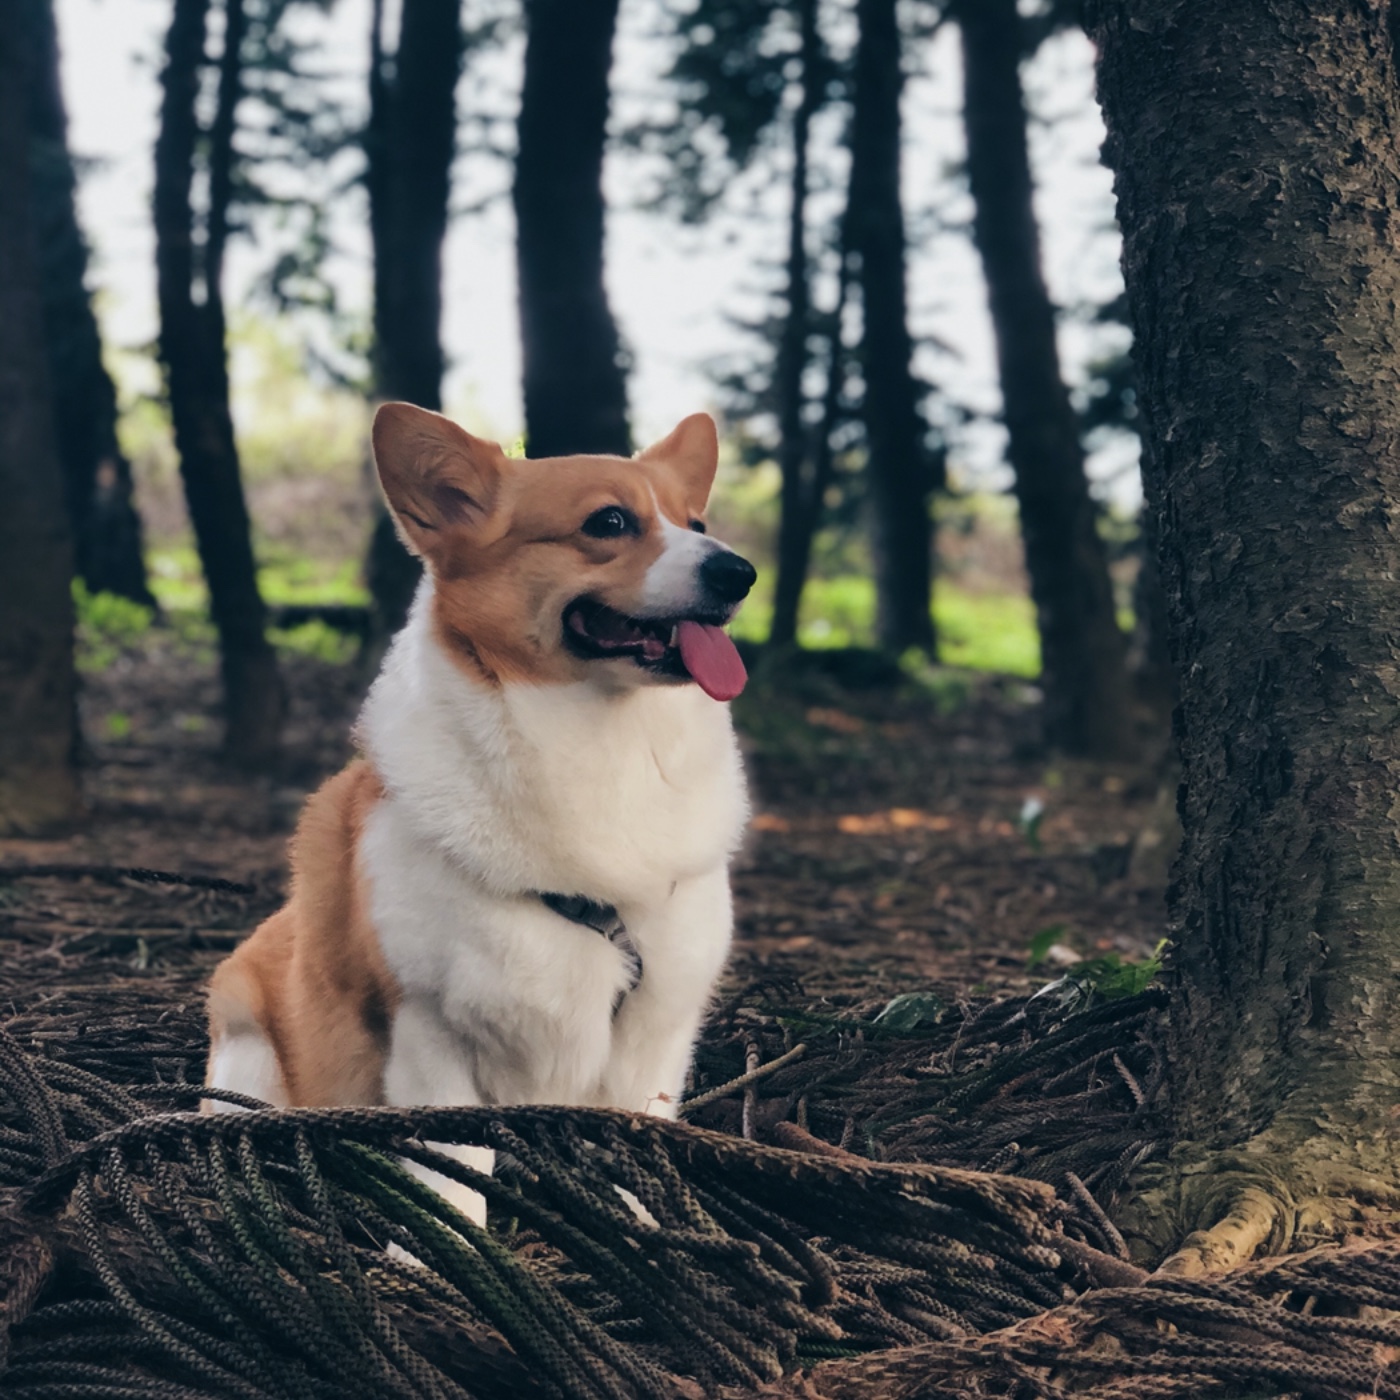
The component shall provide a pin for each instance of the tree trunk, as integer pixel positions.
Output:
(797, 519)
(38, 731)
(575, 392)
(193, 351)
(795, 540)
(97, 477)
(410, 143)
(1083, 651)
(1258, 182)
(901, 479)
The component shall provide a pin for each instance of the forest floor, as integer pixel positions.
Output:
(889, 849)
(917, 868)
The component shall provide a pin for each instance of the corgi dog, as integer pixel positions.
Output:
(519, 894)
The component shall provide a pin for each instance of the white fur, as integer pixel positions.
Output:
(672, 584)
(631, 796)
(244, 1061)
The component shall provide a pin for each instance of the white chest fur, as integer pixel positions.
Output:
(569, 788)
(495, 794)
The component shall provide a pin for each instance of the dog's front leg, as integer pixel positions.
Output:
(427, 1068)
(683, 944)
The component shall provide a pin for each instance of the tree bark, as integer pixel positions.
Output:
(193, 352)
(409, 145)
(575, 392)
(798, 517)
(97, 477)
(1254, 145)
(802, 479)
(38, 730)
(901, 479)
(1084, 676)
(795, 541)
(414, 130)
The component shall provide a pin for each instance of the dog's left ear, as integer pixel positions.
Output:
(436, 476)
(691, 450)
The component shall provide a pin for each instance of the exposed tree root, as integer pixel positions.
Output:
(1203, 1212)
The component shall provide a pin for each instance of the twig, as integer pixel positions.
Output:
(753, 1056)
(1085, 1198)
(1134, 1088)
(115, 874)
(798, 1139)
(743, 1081)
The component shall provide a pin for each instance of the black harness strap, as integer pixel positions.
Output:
(602, 919)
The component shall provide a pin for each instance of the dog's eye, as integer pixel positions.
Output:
(698, 526)
(610, 522)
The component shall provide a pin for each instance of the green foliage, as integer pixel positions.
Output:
(910, 1011)
(923, 1012)
(107, 625)
(177, 579)
(117, 725)
(986, 631)
(1109, 976)
(318, 639)
(949, 689)
(976, 631)
(1112, 976)
(1040, 946)
(286, 578)
(302, 428)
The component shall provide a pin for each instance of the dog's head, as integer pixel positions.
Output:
(565, 568)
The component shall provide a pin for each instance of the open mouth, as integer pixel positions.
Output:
(686, 648)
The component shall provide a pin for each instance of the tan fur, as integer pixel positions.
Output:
(312, 977)
(502, 534)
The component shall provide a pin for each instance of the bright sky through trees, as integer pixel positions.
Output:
(673, 290)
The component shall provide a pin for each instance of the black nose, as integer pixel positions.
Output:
(727, 576)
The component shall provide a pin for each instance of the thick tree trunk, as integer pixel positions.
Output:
(901, 480)
(410, 143)
(97, 477)
(798, 518)
(1254, 144)
(193, 352)
(575, 392)
(38, 732)
(1083, 651)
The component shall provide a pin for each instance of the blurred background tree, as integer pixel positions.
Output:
(294, 167)
(38, 731)
(901, 481)
(96, 473)
(193, 327)
(574, 382)
(1083, 651)
(409, 143)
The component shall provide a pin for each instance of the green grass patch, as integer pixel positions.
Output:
(298, 579)
(976, 631)
(318, 639)
(987, 631)
(178, 581)
(107, 625)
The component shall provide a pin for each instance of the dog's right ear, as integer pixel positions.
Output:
(437, 477)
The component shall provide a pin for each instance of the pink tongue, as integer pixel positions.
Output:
(712, 659)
